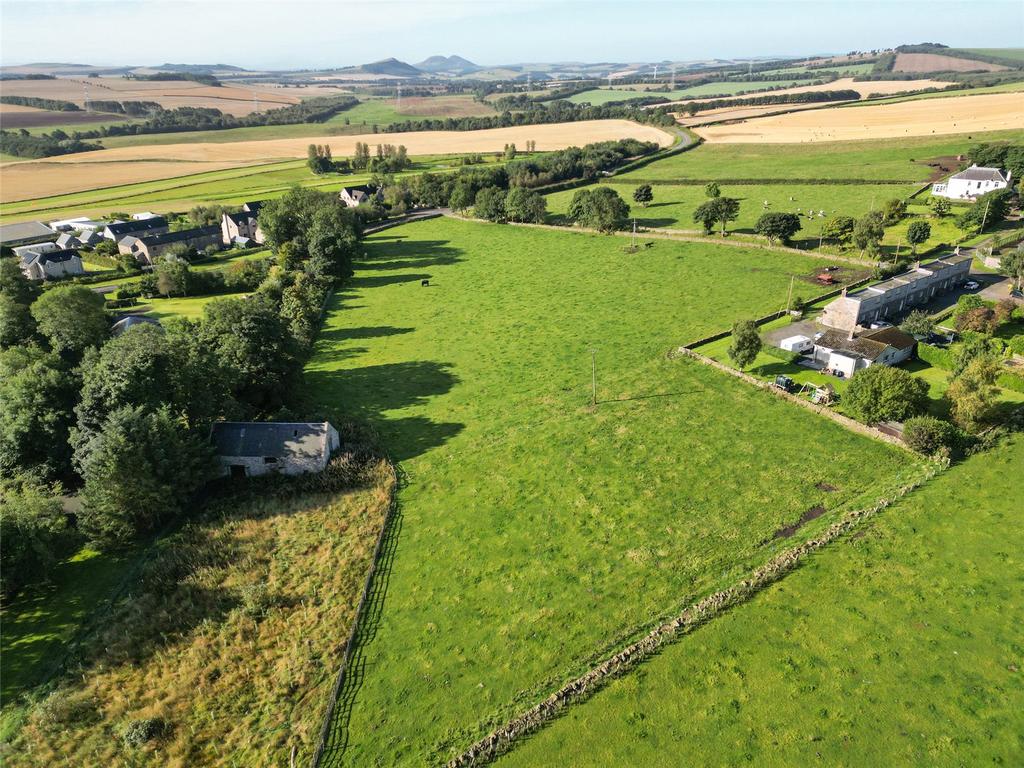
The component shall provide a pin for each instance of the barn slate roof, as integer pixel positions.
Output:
(975, 173)
(136, 227)
(281, 440)
(23, 232)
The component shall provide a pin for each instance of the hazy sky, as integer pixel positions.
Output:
(311, 33)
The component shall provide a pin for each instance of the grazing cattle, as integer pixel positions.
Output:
(424, 283)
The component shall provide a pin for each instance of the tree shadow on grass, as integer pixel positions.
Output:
(377, 281)
(655, 222)
(334, 335)
(369, 392)
(399, 253)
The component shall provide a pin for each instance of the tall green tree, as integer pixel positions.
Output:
(33, 528)
(643, 195)
(893, 211)
(141, 468)
(989, 210)
(173, 276)
(838, 229)
(940, 207)
(868, 232)
(72, 319)
(883, 393)
(973, 392)
(1011, 264)
(746, 343)
(37, 397)
(777, 226)
(524, 204)
(726, 209)
(152, 368)
(490, 204)
(599, 208)
(17, 326)
(918, 232)
(253, 342)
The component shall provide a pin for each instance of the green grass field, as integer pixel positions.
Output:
(673, 205)
(901, 160)
(600, 96)
(901, 645)
(537, 531)
(359, 119)
(1015, 54)
(844, 69)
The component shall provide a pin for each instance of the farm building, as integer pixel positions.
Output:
(89, 238)
(248, 448)
(846, 353)
(148, 248)
(799, 344)
(24, 252)
(52, 265)
(81, 222)
(68, 240)
(240, 226)
(24, 232)
(117, 231)
(353, 196)
(972, 183)
(898, 294)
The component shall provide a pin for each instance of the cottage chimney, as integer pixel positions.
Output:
(844, 291)
(849, 336)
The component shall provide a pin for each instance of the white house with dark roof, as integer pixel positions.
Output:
(52, 265)
(250, 448)
(972, 183)
(358, 195)
(847, 354)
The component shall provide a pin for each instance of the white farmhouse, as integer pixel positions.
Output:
(846, 354)
(249, 448)
(972, 183)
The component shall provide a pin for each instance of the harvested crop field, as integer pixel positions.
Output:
(958, 114)
(863, 87)
(124, 165)
(231, 99)
(443, 106)
(936, 62)
(14, 116)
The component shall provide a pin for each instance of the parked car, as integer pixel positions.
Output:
(880, 324)
(972, 285)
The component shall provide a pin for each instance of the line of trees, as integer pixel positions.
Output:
(125, 421)
(54, 105)
(21, 143)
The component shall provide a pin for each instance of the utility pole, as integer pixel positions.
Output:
(897, 256)
(985, 217)
(789, 299)
(593, 376)
(633, 242)
(655, 73)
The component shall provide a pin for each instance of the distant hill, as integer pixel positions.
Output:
(392, 67)
(454, 64)
(198, 69)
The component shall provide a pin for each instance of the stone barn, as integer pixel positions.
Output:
(250, 448)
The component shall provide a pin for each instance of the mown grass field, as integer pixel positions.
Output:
(901, 645)
(231, 633)
(902, 160)
(538, 532)
(673, 205)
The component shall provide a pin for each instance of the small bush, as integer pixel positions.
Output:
(1016, 345)
(256, 599)
(137, 732)
(930, 436)
(61, 710)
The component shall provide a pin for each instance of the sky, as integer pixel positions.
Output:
(292, 34)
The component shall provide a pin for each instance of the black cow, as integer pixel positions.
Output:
(424, 283)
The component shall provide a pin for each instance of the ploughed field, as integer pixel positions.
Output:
(537, 532)
(900, 646)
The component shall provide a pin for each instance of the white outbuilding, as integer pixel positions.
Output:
(801, 344)
(249, 448)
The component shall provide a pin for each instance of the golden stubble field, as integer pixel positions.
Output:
(924, 117)
(863, 87)
(229, 98)
(124, 165)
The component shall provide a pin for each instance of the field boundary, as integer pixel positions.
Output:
(821, 410)
(691, 618)
(361, 611)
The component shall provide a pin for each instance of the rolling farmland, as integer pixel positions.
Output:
(538, 531)
(124, 165)
(988, 112)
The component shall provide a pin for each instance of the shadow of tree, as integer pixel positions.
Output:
(396, 253)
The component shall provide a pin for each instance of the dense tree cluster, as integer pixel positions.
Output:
(1009, 157)
(599, 208)
(125, 420)
(21, 143)
(54, 105)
